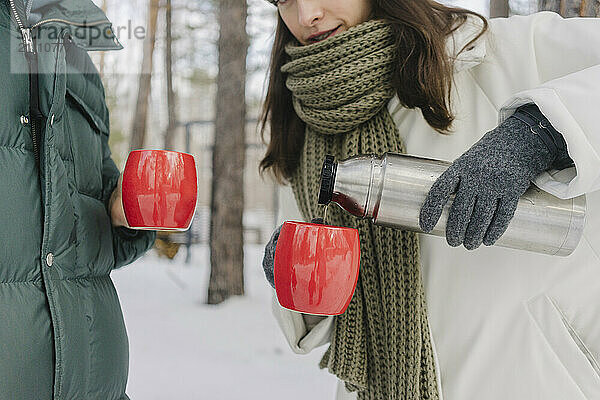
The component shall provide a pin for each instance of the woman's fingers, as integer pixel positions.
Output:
(460, 214)
(483, 212)
(436, 199)
(473, 219)
(504, 213)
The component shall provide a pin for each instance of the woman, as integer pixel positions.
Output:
(357, 76)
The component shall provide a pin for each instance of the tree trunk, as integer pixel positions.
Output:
(572, 8)
(171, 107)
(227, 199)
(499, 8)
(138, 131)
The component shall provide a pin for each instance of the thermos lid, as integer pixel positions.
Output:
(327, 179)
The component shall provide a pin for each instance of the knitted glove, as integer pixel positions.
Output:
(488, 180)
(269, 258)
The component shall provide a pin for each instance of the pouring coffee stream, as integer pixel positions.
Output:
(391, 189)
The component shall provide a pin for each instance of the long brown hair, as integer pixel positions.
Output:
(423, 76)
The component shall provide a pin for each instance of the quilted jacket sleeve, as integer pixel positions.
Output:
(128, 244)
(85, 87)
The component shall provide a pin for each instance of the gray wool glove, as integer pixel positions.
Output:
(269, 258)
(488, 180)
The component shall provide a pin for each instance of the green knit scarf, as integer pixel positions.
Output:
(381, 345)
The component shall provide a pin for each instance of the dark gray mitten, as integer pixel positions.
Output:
(488, 180)
(269, 258)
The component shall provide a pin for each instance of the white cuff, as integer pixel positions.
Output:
(579, 179)
(299, 337)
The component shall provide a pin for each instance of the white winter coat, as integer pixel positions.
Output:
(509, 324)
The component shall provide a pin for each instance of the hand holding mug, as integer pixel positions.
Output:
(268, 262)
(115, 205)
(314, 267)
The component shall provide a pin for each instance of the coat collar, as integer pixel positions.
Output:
(472, 55)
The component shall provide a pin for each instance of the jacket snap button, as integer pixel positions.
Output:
(24, 120)
(49, 259)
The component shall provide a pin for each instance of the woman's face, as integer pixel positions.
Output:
(311, 21)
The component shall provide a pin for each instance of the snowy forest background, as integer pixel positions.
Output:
(163, 92)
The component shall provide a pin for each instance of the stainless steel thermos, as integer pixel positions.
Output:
(391, 189)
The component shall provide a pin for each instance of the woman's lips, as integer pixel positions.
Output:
(322, 35)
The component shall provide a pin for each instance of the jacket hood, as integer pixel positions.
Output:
(474, 54)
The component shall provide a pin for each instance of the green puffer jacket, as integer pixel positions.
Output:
(62, 334)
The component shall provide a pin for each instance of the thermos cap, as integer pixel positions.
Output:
(327, 179)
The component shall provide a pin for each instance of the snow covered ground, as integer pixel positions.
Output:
(181, 348)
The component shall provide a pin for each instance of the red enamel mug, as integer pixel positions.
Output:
(159, 190)
(316, 267)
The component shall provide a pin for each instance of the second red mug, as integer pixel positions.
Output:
(159, 190)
